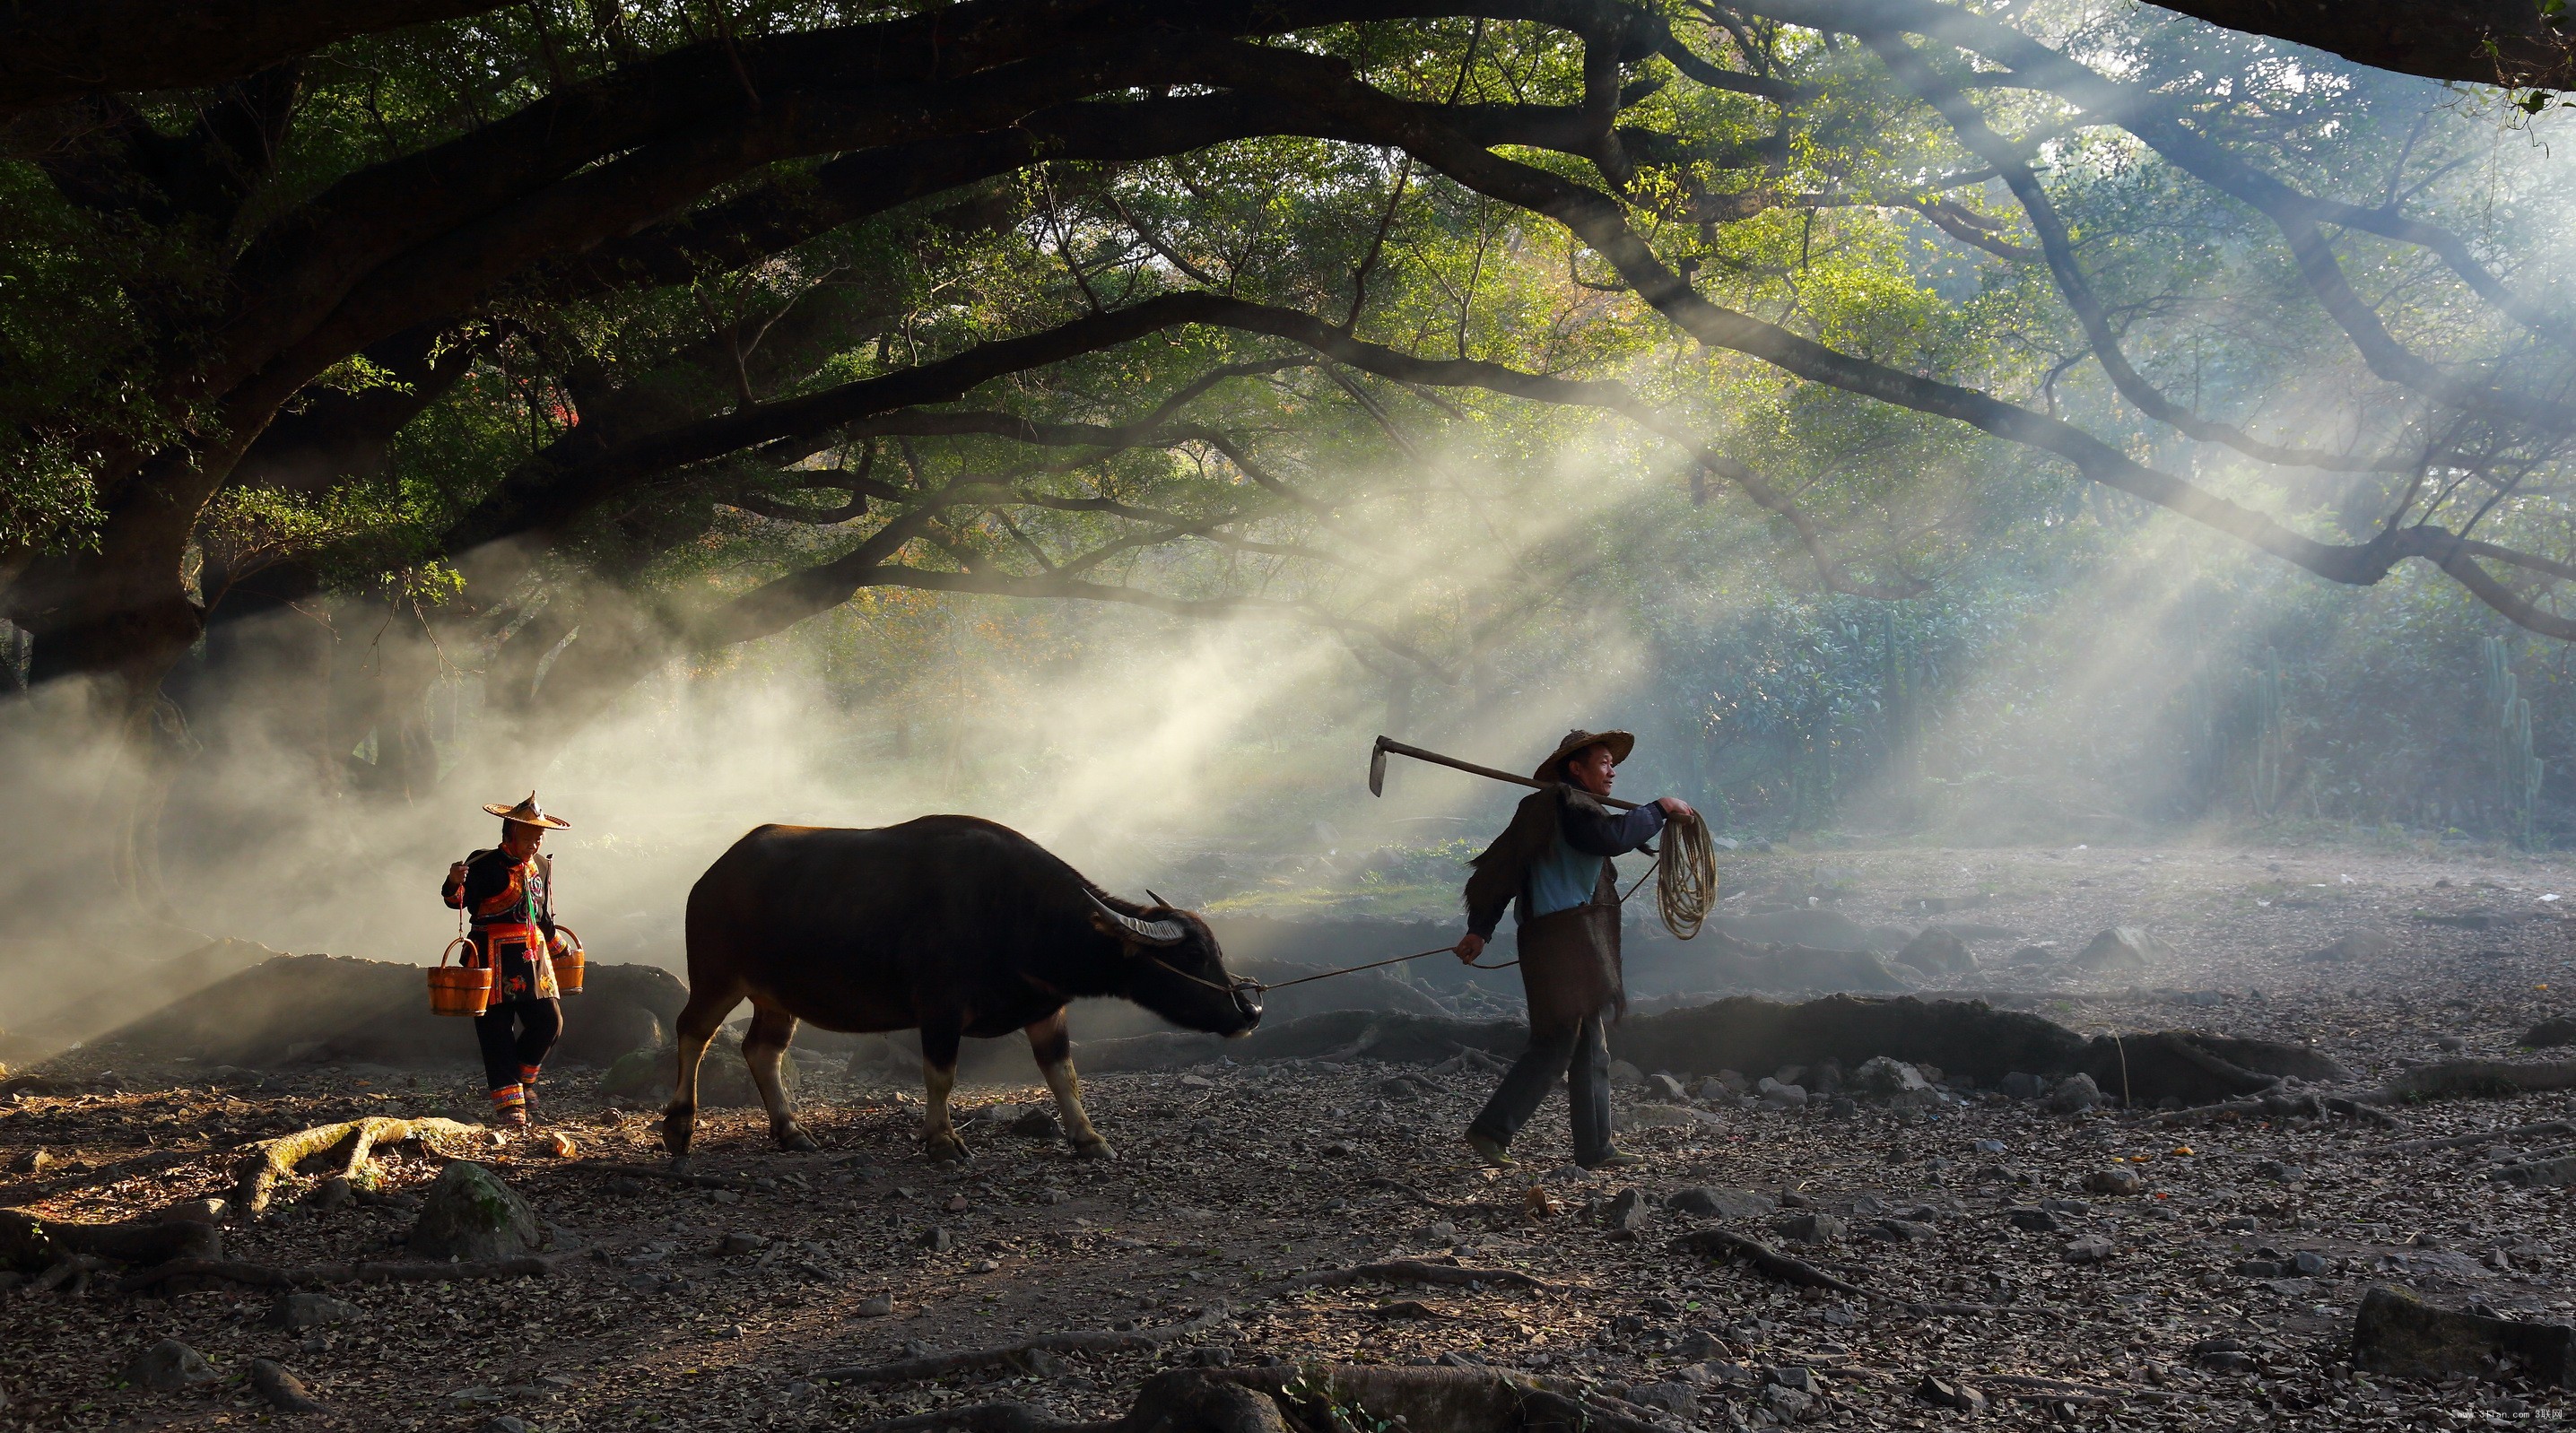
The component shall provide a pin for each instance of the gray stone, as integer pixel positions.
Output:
(2074, 1095)
(2124, 947)
(1881, 1076)
(2119, 1179)
(1779, 1094)
(2020, 1086)
(1710, 1203)
(502, 1423)
(876, 1306)
(1037, 1123)
(304, 1311)
(1951, 1394)
(2279, 1173)
(2310, 1263)
(1792, 1377)
(1938, 951)
(2400, 1335)
(2354, 945)
(1625, 1076)
(1899, 1231)
(333, 1192)
(2089, 1251)
(470, 1214)
(2556, 1030)
(737, 1243)
(1625, 1212)
(169, 1366)
(1664, 1087)
(937, 1239)
(1675, 1398)
(1809, 1228)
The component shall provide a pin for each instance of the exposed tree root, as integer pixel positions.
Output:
(1076, 1341)
(2462, 1079)
(1327, 1399)
(1770, 1262)
(1419, 1271)
(1407, 1190)
(2277, 1106)
(281, 1388)
(30, 1241)
(2484, 1136)
(273, 1160)
(2048, 1390)
(274, 1276)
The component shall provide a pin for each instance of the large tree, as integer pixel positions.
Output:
(597, 335)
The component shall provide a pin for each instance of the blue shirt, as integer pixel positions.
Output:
(1564, 878)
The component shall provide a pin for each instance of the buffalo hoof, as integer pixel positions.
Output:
(1093, 1148)
(944, 1147)
(792, 1137)
(676, 1130)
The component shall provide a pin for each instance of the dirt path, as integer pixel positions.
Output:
(1233, 1182)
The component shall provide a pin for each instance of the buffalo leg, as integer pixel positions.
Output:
(763, 1046)
(697, 1025)
(939, 1076)
(1052, 1044)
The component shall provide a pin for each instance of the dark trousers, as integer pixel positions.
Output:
(1579, 1056)
(505, 1052)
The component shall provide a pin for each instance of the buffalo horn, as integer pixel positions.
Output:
(1165, 932)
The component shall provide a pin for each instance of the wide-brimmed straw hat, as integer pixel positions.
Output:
(1619, 742)
(527, 813)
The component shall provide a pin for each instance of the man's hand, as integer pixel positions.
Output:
(1674, 806)
(1469, 947)
(456, 874)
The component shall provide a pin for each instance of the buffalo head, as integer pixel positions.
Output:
(1176, 970)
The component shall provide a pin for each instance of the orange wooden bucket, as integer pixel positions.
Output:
(458, 989)
(568, 962)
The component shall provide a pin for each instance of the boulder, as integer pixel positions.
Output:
(169, 1366)
(2074, 1095)
(2399, 1335)
(2353, 945)
(1937, 951)
(1722, 1203)
(2124, 947)
(304, 1311)
(2556, 1030)
(1881, 1077)
(470, 1214)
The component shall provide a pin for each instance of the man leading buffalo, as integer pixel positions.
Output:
(1552, 866)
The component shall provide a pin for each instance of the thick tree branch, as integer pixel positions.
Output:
(55, 50)
(1912, 70)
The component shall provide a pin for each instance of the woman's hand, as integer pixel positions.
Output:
(1469, 947)
(456, 875)
(1674, 807)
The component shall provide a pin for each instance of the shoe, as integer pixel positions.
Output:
(511, 1119)
(1491, 1151)
(1616, 1159)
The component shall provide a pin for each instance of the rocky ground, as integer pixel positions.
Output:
(2221, 1295)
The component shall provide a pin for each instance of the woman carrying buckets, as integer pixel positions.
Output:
(507, 897)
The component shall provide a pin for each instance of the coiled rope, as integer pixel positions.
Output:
(1686, 876)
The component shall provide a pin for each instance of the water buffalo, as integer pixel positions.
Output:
(947, 924)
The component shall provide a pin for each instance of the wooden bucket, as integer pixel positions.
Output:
(568, 962)
(458, 989)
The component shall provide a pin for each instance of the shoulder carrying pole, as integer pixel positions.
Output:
(1377, 770)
